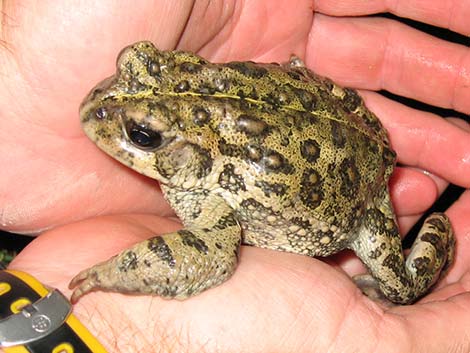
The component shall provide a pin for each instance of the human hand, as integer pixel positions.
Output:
(274, 301)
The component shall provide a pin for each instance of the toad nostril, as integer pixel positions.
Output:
(101, 113)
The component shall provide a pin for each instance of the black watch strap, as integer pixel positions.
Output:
(29, 310)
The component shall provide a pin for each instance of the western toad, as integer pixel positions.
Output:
(261, 154)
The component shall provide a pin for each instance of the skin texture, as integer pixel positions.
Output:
(275, 302)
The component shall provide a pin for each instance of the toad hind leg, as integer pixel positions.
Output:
(174, 265)
(379, 247)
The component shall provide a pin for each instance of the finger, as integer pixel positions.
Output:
(440, 326)
(414, 191)
(378, 53)
(424, 140)
(460, 123)
(458, 214)
(449, 14)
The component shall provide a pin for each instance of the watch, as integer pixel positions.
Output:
(35, 319)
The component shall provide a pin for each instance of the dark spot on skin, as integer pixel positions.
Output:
(201, 61)
(422, 265)
(251, 204)
(128, 261)
(253, 94)
(205, 161)
(147, 263)
(373, 148)
(156, 92)
(248, 69)
(201, 116)
(307, 99)
(218, 246)
(160, 248)
(245, 105)
(393, 262)
(229, 149)
(271, 188)
(436, 241)
(276, 99)
(392, 293)
(374, 254)
(190, 67)
(226, 221)
(303, 120)
(376, 221)
(188, 238)
(196, 211)
(351, 100)
(389, 159)
(432, 238)
(338, 134)
(328, 84)
(103, 133)
(182, 86)
(310, 150)
(311, 192)
(251, 125)
(145, 282)
(163, 168)
(241, 94)
(230, 180)
(438, 224)
(350, 178)
(294, 75)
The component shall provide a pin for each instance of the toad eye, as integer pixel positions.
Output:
(143, 137)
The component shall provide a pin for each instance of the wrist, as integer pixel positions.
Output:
(111, 319)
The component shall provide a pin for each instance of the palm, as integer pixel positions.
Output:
(285, 297)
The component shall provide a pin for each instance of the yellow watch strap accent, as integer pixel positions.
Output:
(71, 337)
(16, 349)
(32, 282)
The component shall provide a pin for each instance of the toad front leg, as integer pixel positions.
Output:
(174, 265)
